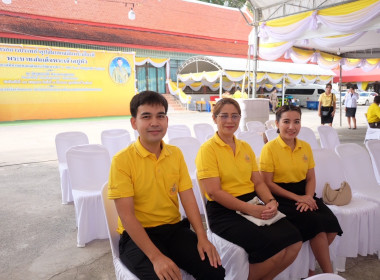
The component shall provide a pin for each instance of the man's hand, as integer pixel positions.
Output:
(166, 269)
(205, 246)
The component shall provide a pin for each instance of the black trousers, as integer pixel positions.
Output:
(178, 242)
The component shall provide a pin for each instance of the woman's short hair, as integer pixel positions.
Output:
(220, 104)
(286, 108)
(377, 99)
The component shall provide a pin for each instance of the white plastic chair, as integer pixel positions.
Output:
(271, 134)
(178, 130)
(121, 271)
(136, 133)
(308, 135)
(255, 140)
(269, 124)
(358, 219)
(115, 140)
(189, 147)
(328, 137)
(64, 141)
(89, 168)
(203, 131)
(371, 133)
(325, 276)
(256, 126)
(373, 147)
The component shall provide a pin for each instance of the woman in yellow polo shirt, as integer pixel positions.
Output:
(327, 106)
(373, 113)
(287, 166)
(228, 172)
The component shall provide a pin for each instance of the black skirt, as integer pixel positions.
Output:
(329, 118)
(309, 223)
(350, 112)
(260, 242)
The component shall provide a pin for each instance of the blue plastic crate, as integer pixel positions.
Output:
(312, 105)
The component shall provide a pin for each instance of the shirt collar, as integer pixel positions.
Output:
(284, 145)
(145, 153)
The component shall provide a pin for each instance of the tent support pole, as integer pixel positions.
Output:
(220, 83)
(255, 51)
(340, 93)
(283, 89)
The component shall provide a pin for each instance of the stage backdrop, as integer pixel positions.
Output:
(38, 82)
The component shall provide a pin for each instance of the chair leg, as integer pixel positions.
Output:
(340, 264)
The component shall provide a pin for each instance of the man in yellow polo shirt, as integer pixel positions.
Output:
(145, 181)
(373, 113)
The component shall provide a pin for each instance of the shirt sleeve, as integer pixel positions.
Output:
(206, 162)
(266, 159)
(120, 183)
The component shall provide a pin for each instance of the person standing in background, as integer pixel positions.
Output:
(351, 105)
(327, 106)
(274, 100)
(373, 113)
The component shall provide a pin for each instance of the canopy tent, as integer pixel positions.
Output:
(213, 71)
(333, 34)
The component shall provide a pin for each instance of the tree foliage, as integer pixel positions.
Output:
(231, 3)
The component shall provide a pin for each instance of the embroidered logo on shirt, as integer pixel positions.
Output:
(247, 158)
(173, 189)
(304, 158)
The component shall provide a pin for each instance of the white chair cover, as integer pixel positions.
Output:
(269, 124)
(121, 271)
(306, 134)
(234, 258)
(115, 140)
(371, 133)
(326, 276)
(256, 126)
(64, 141)
(373, 147)
(255, 140)
(358, 219)
(328, 136)
(89, 168)
(271, 133)
(136, 134)
(178, 130)
(203, 131)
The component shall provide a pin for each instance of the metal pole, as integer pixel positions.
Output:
(340, 92)
(220, 83)
(283, 89)
(255, 51)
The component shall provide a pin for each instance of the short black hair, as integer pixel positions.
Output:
(147, 97)
(377, 99)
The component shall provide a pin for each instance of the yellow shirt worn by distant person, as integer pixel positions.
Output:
(216, 159)
(153, 183)
(373, 113)
(287, 166)
(325, 99)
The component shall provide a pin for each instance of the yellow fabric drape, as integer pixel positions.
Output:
(347, 8)
(288, 20)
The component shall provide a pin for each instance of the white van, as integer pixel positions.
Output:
(305, 93)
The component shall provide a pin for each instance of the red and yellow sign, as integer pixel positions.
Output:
(38, 82)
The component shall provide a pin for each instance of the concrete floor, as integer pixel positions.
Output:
(38, 233)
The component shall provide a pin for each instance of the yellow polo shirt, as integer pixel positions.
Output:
(216, 159)
(153, 183)
(326, 100)
(373, 113)
(286, 165)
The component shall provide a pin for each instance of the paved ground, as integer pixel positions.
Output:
(38, 233)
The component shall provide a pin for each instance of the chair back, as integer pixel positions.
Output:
(255, 126)
(202, 131)
(115, 140)
(178, 130)
(111, 218)
(373, 147)
(328, 136)
(371, 133)
(88, 166)
(66, 140)
(255, 140)
(271, 134)
(136, 133)
(269, 124)
(189, 147)
(325, 276)
(328, 169)
(198, 192)
(357, 167)
(307, 135)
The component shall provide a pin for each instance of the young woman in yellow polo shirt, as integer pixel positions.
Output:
(228, 173)
(287, 166)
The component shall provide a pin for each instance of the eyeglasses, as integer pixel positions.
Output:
(234, 117)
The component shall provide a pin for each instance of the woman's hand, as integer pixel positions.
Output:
(303, 207)
(270, 210)
(307, 199)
